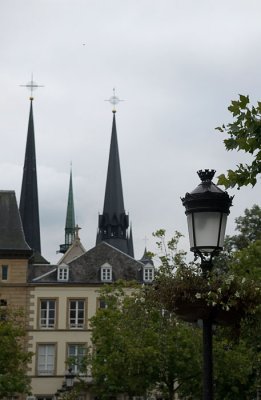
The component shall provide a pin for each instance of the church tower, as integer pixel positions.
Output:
(29, 207)
(114, 222)
(70, 220)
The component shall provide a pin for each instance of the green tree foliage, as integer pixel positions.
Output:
(244, 135)
(168, 255)
(237, 356)
(247, 262)
(242, 251)
(140, 347)
(249, 228)
(13, 357)
(233, 368)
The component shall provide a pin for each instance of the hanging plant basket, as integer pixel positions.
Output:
(191, 312)
(226, 299)
(199, 310)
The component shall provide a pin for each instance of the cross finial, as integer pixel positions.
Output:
(145, 241)
(114, 100)
(31, 86)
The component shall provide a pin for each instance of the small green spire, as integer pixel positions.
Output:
(70, 216)
(70, 227)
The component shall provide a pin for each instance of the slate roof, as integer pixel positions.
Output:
(12, 239)
(86, 269)
(123, 266)
(37, 258)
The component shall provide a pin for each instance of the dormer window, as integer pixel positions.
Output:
(106, 273)
(63, 273)
(148, 273)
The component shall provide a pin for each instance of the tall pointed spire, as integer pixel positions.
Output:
(29, 207)
(130, 243)
(114, 222)
(70, 220)
(113, 201)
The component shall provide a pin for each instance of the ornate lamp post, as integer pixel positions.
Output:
(207, 208)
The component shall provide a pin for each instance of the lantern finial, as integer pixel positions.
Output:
(206, 174)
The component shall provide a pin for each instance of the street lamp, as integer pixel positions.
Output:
(67, 384)
(69, 379)
(207, 208)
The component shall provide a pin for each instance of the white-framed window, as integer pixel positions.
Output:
(63, 273)
(47, 313)
(76, 353)
(148, 273)
(45, 359)
(76, 313)
(106, 273)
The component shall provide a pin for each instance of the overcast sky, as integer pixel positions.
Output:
(177, 64)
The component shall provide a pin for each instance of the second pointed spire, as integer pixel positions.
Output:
(114, 222)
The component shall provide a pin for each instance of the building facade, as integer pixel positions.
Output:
(60, 300)
(63, 299)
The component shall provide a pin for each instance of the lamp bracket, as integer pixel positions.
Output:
(206, 260)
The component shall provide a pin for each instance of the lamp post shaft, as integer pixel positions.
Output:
(207, 360)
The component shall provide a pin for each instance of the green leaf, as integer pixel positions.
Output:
(244, 101)
(244, 134)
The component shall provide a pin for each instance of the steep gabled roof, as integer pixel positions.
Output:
(89, 264)
(12, 239)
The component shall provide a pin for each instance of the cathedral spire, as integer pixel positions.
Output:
(114, 222)
(130, 243)
(70, 220)
(29, 207)
(113, 201)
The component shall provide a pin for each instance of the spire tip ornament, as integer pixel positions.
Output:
(114, 100)
(32, 85)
